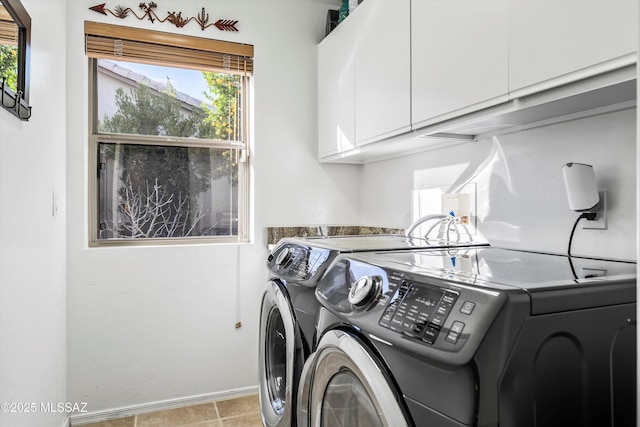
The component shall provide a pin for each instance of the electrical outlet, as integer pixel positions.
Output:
(600, 223)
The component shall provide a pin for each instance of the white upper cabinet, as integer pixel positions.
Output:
(556, 42)
(448, 69)
(336, 120)
(459, 56)
(382, 69)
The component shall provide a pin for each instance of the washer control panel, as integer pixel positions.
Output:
(297, 262)
(434, 316)
(417, 311)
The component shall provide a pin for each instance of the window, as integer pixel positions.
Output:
(169, 137)
(15, 36)
(8, 49)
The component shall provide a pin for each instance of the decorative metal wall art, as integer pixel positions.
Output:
(14, 102)
(149, 12)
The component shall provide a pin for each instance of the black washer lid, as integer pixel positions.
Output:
(378, 242)
(526, 270)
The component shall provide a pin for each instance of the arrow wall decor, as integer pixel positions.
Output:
(149, 12)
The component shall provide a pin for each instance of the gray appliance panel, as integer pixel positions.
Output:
(520, 311)
(428, 317)
(379, 242)
(492, 267)
(572, 369)
(554, 282)
(440, 303)
(305, 259)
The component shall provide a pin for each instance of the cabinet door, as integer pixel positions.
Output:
(382, 69)
(550, 39)
(459, 56)
(336, 91)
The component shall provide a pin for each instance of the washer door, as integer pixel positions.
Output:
(344, 385)
(280, 357)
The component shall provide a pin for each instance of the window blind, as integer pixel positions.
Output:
(8, 29)
(108, 41)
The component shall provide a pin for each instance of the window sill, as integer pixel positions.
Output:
(166, 242)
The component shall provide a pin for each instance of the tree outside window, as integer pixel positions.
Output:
(9, 66)
(166, 189)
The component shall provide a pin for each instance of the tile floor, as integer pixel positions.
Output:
(241, 411)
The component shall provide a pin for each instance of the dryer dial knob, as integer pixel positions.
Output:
(364, 290)
(284, 257)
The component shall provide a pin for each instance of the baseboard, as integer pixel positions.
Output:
(127, 411)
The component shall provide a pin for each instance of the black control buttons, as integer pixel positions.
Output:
(430, 335)
(454, 332)
(467, 307)
(418, 311)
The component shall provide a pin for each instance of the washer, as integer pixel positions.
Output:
(289, 310)
(473, 337)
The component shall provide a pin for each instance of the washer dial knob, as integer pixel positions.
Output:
(364, 290)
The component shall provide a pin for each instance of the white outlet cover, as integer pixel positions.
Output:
(600, 223)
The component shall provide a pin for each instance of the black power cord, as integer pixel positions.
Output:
(589, 216)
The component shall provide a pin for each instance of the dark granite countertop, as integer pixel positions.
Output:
(274, 234)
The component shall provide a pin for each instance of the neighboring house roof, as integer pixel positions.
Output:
(132, 79)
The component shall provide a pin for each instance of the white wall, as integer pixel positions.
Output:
(520, 190)
(637, 210)
(32, 241)
(153, 324)
(158, 323)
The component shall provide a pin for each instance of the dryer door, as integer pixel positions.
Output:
(280, 357)
(344, 384)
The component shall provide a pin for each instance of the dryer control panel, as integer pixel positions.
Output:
(293, 261)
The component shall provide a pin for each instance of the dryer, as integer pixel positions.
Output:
(289, 309)
(473, 337)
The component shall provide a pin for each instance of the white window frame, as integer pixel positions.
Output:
(245, 187)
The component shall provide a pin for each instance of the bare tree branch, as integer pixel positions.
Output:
(153, 213)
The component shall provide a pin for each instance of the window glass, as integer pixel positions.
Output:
(170, 152)
(9, 66)
(8, 50)
(151, 191)
(161, 101)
